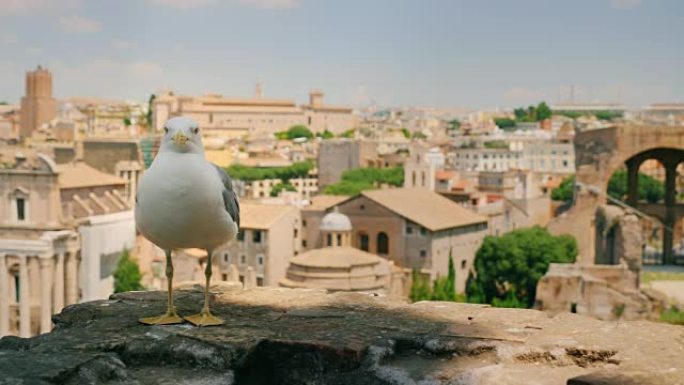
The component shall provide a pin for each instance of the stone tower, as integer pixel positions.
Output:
(37, 106)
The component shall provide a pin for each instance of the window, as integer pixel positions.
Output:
(382, 243)
(21, 209)
(363, 242)
(241, 236)
(224, 277)
(256, 236)
(260, 281)
(226, 258)
(339, 239)
(260, 259)
(296, 232)
(304, 223)
(413, 178)
(243, 259)
(409, 229)
(329, 240)
(423, 231)
(362, 207)
(303, 242)
(463, 264)
(423, 253)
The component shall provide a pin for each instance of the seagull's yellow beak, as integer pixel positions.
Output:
(180, 139)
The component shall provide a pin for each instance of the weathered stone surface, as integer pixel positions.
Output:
(284, 336)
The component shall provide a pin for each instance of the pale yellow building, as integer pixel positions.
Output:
(229, 117)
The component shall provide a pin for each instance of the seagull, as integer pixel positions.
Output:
(184, 201)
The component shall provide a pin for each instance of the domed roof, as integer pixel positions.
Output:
(335, 221)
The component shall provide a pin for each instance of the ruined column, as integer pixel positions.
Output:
(45, 291)
(71, 279)
(670, 215)
(632, 183)
(4, 297)
(58, 289)
(24, 298)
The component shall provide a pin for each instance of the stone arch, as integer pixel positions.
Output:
(598, 154)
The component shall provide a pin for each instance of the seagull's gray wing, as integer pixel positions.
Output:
(230, 200)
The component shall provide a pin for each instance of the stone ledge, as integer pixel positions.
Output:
(286, 336)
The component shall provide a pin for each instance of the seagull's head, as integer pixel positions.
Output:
(182, 135)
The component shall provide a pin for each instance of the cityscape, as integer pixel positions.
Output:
(560, 198)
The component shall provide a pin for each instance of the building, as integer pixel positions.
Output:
(416, 228)
(37, 106)
(62, 228)
(422, 165)
(335, 156)
(539, 155)
(226, 117)
(312, 215)
(268, 239)
(337, 266)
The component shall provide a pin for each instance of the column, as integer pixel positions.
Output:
(670, 202)
(58, 290)
(71, 279)
(4, 297)
(45, 291)
(24, 298)
(633, 182)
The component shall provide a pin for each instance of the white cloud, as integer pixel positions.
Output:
(79, 24)
(625, 4)
(123, 44)
(262, 4)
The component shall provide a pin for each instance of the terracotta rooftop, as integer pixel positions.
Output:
(343, 257)
(324, 202)
(79, 174)
(424, 207)
(261, 216)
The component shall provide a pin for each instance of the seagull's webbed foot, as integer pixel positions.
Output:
(170, 318)
(204, 318)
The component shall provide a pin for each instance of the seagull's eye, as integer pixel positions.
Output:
(166, 130)
(195, 130)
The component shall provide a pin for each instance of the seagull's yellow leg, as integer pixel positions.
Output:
(205, 318)
(170, 317)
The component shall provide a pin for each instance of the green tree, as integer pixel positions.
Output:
(275, 191)
(507, 268)
(148, 116)
(406, 132)
(453, 124)
(565, 189)
(348, 134)
(127, 122)
(325, 134)
(543, 111)
(520, 113)
(419, 135)
(299, 131)
(246, 173)
(127, 274)
(650, 189)
(420, 287)
(505, 123)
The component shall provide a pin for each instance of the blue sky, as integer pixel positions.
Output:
(443, 53)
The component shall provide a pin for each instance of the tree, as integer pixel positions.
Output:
(348, 134)
(420, 287)
(299, 131)
(246, 173)
(507, 268)
(325, 134)
(504, 123)
(543, 111)
(565, 189)
(356, 180)
(453, 124)
(275, 191)
(127, 274)
(419, 135)
(148, 116)
(406, 132)
(127, 122)
(650, 189)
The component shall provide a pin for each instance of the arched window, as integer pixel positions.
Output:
(329, 239)
(382, 243)
(363, 242)
(413, 179)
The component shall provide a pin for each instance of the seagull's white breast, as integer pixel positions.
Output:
(180, 204)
